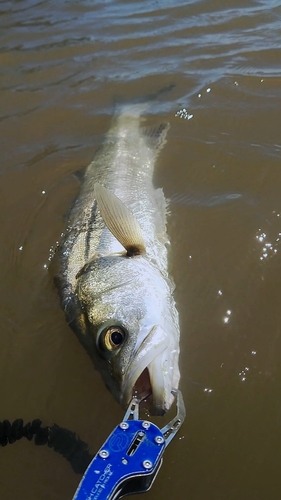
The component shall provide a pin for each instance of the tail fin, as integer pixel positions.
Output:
(155, 136)
(131, 110)
(137, 107)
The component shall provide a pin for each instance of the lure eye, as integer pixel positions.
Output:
(113, 338)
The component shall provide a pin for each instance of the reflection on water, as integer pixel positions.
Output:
(205, 200)
(64, 67)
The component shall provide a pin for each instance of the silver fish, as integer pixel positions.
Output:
(114, 283)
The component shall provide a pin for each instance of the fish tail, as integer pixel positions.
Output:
(136, 108)
(133, 111)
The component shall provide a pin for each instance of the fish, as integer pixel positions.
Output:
(114, 280)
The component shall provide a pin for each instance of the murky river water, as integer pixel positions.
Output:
(63, 66)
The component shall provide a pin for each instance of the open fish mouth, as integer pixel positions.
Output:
(143, 391)
(149, 375)
(142, 388)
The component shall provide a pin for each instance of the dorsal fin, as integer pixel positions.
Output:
(120, 221)
(155, 137)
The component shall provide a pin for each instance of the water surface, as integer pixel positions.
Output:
(64, 65)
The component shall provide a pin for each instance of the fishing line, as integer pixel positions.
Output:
(63, 441)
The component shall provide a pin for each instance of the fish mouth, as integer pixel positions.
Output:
(142, 387)
(144, 392)
(149, 376)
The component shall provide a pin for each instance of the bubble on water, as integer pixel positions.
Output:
(226, 318)
(243, 374)
(268, 249)
(183, 113)
(261, 236)
(52, 251)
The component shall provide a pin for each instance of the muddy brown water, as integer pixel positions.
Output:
(63, 66)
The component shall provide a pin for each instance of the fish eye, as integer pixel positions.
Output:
(113, 337)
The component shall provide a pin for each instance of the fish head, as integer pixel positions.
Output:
(131, 329)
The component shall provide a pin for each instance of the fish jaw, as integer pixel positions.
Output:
(156, 363)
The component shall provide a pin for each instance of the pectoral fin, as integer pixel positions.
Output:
(120, 221)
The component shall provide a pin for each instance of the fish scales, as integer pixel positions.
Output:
(114, 282)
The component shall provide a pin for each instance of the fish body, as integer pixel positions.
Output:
(114, 283)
